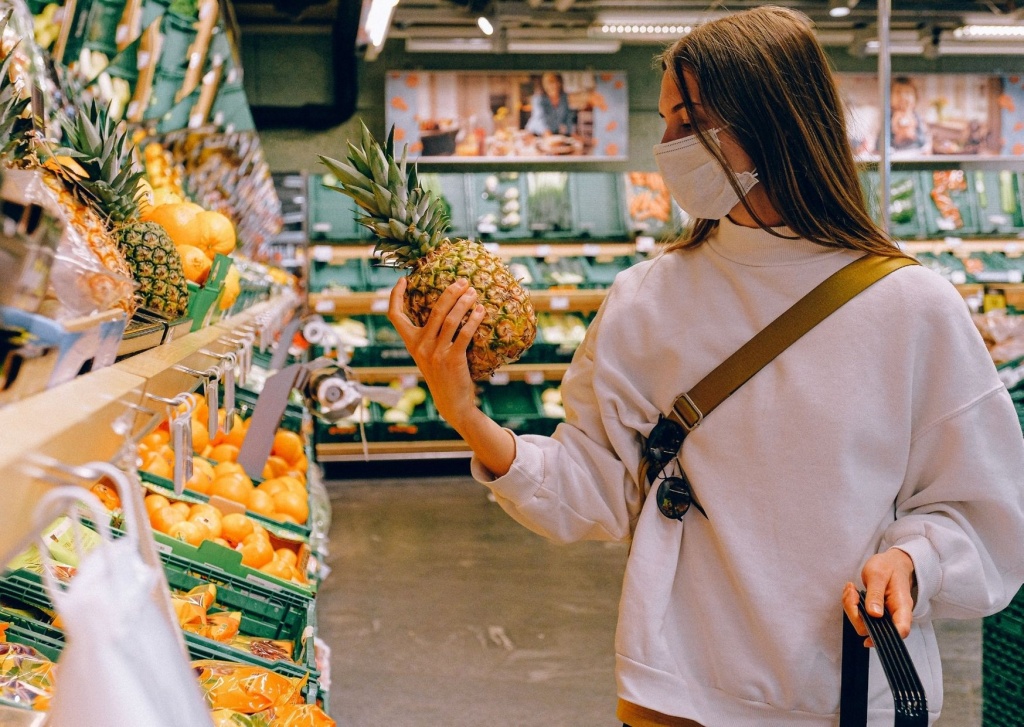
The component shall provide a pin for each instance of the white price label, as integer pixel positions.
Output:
(644, 243)
(954, 241)
(1012, 249)
(560, 302)
(500, 378)
(958, 277)
(492, 247)
(542, 251)
(323, 253)
(143, 59)
(379, 305)
(322, 227)
(591, 250)
(535, 378)
(409, 380)
(324, 306)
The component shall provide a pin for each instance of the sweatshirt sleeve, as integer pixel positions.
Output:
(960, 514)
(576, 484)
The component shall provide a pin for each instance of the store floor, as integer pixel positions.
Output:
(442, 611)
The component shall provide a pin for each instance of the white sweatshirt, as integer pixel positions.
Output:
(884, 426)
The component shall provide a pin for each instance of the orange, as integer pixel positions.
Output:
(222, 542)
(155, 438)
(261, 531)
(237, 434)
(292, 503)
(287, 446)
(286, 555)
(224, 453)
(301, 464)
(299, 476)
(187, 531)
(107, 493)
(183, 507)
(205, 508)
(176, 219)
(231, 488)
(211, 523)
(194, 263)
(200, 436)
(220, 437)
(225, 469)
(212, 233)
(155, 502)
(260, 502)
(202, 476)
(231, 290)
(275, 467)
(256, 551)
(165, 518)
(154, 464)
(272, 486)
(201, 412)
(278, 569)
(294, 484)
(235, 527)
(165, 451)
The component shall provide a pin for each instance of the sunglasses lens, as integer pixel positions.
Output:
(674, 497)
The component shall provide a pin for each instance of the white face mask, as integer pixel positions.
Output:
(696, 180)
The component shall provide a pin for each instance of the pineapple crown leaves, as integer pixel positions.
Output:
(409, 220)
(13, 123)
(112, 180)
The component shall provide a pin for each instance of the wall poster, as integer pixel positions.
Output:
(510, 116)
(933, 115)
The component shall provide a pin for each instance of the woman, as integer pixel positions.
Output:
(549, 108)
(880, 449)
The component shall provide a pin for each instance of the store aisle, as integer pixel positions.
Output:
(442, 611)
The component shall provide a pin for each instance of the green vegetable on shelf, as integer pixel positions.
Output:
(548, 206)
(1007, 198)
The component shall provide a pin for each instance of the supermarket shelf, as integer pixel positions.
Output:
(1012, 246)
(531, 373)
(353, 452)
(552, 299)
(339, 254)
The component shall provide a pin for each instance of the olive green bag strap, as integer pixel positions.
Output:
(690, 408)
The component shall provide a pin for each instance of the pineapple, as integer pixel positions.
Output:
(410, 224)
(110, 184)
(13, 104)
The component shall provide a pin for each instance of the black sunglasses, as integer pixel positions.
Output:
(675, 494)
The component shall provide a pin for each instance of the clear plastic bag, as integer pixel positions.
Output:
(244, 688)
(26, 676)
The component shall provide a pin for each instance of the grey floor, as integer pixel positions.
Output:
(441, 610)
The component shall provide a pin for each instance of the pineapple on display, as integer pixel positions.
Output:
(108, 183)
(411, 224)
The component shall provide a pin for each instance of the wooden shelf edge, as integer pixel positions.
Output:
(341, 253)
(428, 449)
(552, 300)
(514, 372)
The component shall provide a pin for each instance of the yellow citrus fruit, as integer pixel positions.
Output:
(183, 507)
(164, 518)
(194, 264)
(291, 503)
(231, 488)
(261, 531)
(202, 476)
(287, 445)
(223, 468)
(237, 434)
(204, 508)
(155, 502)
(211, 523)
(154, 439)
(201, 412)
(277, 569)
(235, 527)
(222, 542)
(256, 551)
(286, 555)
(189, 532)
(154, 464)
(272, 486)
(177, 219)
(200, 436)
(232, 289)
(275, 467)
(260, 502)
(212, 233)
(294, 484)
(224, 453)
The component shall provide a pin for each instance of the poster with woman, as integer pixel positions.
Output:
(527, 115)
(966, 115)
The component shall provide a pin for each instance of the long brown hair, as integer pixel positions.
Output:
(763, 76)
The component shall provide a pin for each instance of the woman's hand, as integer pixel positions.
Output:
(888, 579)
(439, 350)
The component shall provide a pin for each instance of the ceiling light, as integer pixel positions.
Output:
(485, 25)
(989, 32)
(840, 8)
(378, 20)
(449, 45)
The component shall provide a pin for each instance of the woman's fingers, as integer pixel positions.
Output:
(396, 309)
(443, 306)
(851, 601)
(469, 328)
(454, 319)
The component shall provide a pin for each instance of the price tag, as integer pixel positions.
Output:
(322, 227)
(409, 380)
(181, 436)
(954, 241)
(500, 378)
(325, 305)
(1012, 249)
(379, 305)
(133, 109)
(212, 402)
(229, 392)
(542, 251)
(591, 250)
(958, 277)
(143, 59)
(492, 247)
(323, 253)
(644, 243)
(122, 34)
(536, 378)
(560, 302)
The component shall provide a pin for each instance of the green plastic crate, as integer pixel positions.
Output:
(386, 347)
(380, 277)
(201, 298)
(488, 195)
(597, 205)
(245, 404)
(906, 203)
(179, 33)
(454, 191)
(347, 276)
(998, 201)
(517, 405)
(47, 640)
(422, 424)
(1001, 669)
(343, 432)
(231, 107)
(964, 200)
(101, 27)
(331, 214)
(601, 272)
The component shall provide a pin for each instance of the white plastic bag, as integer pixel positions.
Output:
(124, 663)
